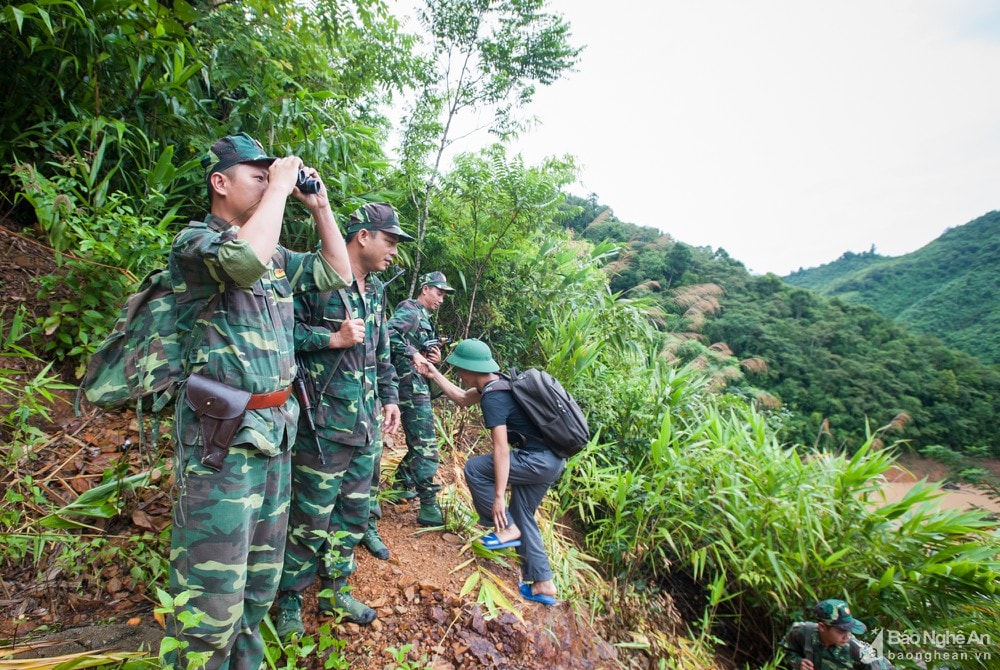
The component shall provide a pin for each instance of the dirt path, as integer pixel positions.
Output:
(416, 592)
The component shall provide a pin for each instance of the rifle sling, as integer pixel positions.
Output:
(339, 356)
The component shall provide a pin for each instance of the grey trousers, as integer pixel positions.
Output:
(531, 475)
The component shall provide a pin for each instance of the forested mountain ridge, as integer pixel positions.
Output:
(948, 288)
(831, 364)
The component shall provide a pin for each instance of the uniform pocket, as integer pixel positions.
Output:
(246, 307)
(340, 405)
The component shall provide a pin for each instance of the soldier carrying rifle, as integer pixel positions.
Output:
(411, 329)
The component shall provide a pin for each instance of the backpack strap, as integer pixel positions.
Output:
(807, 646)
(339, 356)
(504, 384)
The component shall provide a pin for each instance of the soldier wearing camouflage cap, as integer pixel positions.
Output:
(343, 339)
(230, 508)
(411, 329)
(828, 644)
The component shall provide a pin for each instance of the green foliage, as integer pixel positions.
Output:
(107, 108)
(719, 500)
(287, 73)
(834, 365)
(24, 397)
(489, 207)
(173, 607)
(82, 219)
(484, 56)
(401, 657)
(684, 487)
(946, 289)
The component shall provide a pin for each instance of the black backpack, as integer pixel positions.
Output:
(560, 420)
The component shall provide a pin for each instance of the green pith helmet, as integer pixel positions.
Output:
(472, 355)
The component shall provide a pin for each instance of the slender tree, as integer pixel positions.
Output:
(484, 55)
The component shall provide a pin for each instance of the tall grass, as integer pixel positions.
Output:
(690, 490)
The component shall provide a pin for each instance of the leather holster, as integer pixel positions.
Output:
(220, 410)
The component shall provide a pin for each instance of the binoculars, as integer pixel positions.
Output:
(307, 184)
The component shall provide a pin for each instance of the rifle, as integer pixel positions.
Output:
(393, 278)
(427, 345)
(302, 391)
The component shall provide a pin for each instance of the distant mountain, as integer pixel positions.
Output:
(824, 367)
(949, 288)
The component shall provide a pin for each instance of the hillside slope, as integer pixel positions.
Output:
(947, 288)
(829, 365)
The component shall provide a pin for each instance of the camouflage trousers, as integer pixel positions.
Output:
(329, 510)
(417, 468)
(226, 549)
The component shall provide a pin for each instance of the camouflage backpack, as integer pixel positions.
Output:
(142, 360)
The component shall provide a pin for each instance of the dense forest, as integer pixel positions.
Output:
(831, 364)
(743, 427)
(947, 289)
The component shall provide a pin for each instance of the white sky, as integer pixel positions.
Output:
(785, 131)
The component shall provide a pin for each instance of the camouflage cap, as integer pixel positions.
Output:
(377, 216)
(231, 150)
(436, 279)
(833, 612)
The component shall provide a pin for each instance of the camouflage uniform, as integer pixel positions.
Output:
(803, 641)
(330, 503)
(854, 655)
(409, 327)
(226, 542)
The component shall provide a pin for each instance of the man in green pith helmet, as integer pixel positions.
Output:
(829, 643)
(233, 474)
(519, 460)
(411, 330)
(343, 340)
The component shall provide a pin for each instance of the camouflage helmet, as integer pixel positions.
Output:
(436, 279)
(472, 355)
(833, 612)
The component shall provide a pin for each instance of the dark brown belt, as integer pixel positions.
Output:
(265, 400)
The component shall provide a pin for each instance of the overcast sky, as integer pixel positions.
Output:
(784, 131)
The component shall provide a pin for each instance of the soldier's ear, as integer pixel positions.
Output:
(217, 182)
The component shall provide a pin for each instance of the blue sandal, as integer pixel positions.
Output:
(491, 541)
(542, 598)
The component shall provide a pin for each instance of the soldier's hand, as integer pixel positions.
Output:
(434, 355)
(421, 364)
(283, 173)
(390, 418)
(352, 331)
(806, 664)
